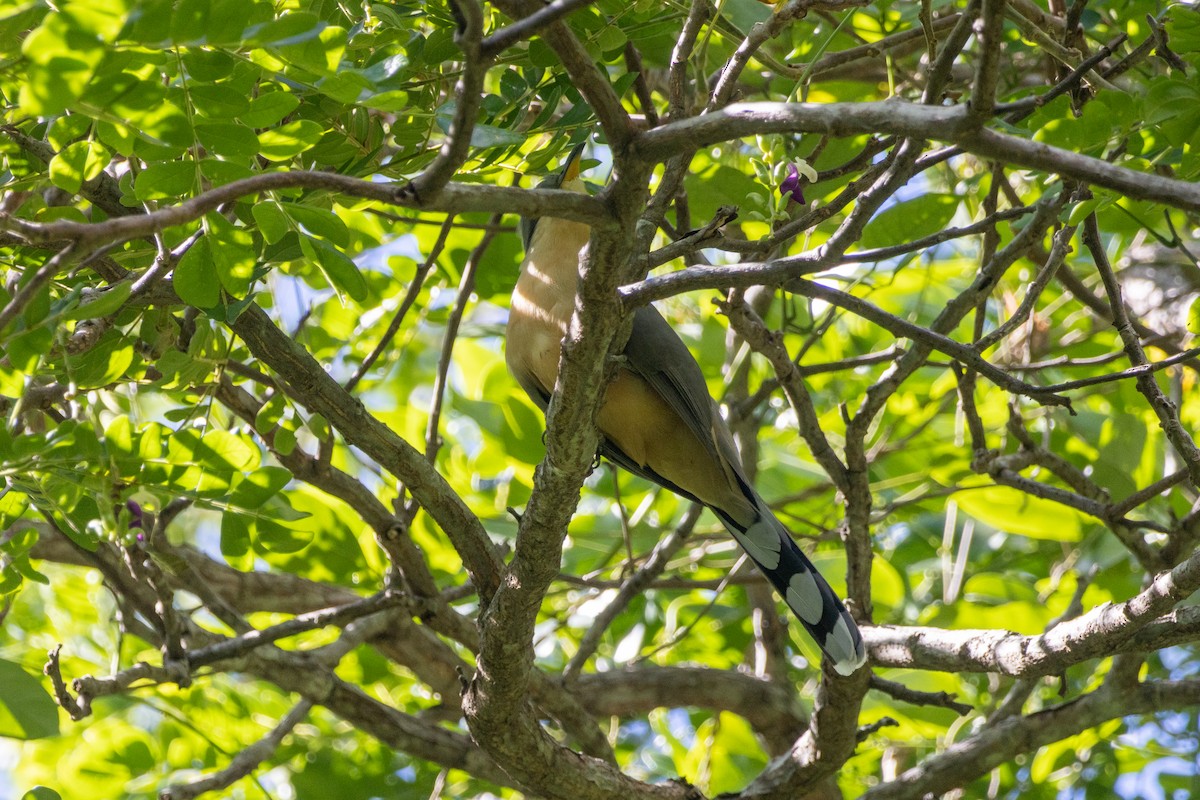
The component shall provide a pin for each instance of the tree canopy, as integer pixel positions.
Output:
(276, 522)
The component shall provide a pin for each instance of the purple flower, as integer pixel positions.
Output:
(137, 518)
(792, 186)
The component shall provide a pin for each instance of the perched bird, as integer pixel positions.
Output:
(659, 421)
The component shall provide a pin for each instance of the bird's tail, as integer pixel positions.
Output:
(807, 594)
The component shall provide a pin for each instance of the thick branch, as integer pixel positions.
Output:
(1100, 632)
(347, 415)
(989, 28)
(451, 198)
(591, 82)
(496, 702)
(769, 708)
(975, 756)
(821, 751)
(940, 123)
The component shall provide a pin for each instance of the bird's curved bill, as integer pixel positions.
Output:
(570, 168)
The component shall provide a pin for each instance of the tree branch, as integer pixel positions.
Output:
(941, 123)
(962, 762)
(347, 415)
(529, 26)
(1164, 409)
(244, 762)
(451, 198)
(1100, 632)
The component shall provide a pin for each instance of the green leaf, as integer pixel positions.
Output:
(541, 54)
(67, 129)
(207, 65)
(491, 136)
(1193, 317)
(512, 84)
(270, 414)
(13, 504)
(217, 450)
(289, 140)
(76, 164)
(285, 440)
(339, 270)
(387, 73)
(1183, 30)
(228, 20)
(1080, 211)
(268, 109)
(27, 711)
(290, 28)
(26, 350)
(233, 256)
(161, 119)
(235, 535)
(120, 138)
(1014, 511)
(21, 565)
(196, 280)
(62, 59)
(1173, 106)
(121, 445)
(168, 180)
(220, 172)
(522, 434)
(910, 219)
(481, 135)
(319, 222)
(102, 304)
(345, 87)
(273, 537)
(259, 486)
(717, 186)
(318, 49)
(221, 101)
(272, 220)
(41, 793)
(611, 39)
(746, 13)
(104, 363)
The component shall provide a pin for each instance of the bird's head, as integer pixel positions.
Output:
(567, 178)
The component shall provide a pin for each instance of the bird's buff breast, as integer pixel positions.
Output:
(534, 340)
(543, 300)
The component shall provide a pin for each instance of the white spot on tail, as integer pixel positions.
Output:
(804, 596)
(761, 541)
(839, 644)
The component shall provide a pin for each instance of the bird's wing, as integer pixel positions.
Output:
(657, 354)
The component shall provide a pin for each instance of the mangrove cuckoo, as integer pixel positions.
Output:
(659, 421)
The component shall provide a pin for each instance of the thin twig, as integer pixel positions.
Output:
(933, 239)
(245, 762)
(918, 698)
(466, 287)
(1058, 253)
(414, 290)
(233, 648)
(633, 586)
(527, 27)
(1164, 409)
(1132, 372)
(35, 283)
